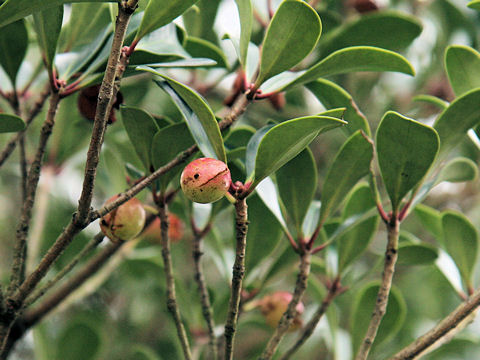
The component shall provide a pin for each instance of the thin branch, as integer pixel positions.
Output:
(31, 317)
(37, 107)
(241, 226)
(291, 312)
(32, 182)
(309, 328)
(448, 327)
(391, 256)
(61, 274)
(199, 277)
(172, 304)
(23, 168)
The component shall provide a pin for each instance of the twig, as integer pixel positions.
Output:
(31, 317)
(291, 313)
(391, 255)
(23, 168)
(241, 226)
(80, 256)
(309, 328)
(37, 107)
(448, 326)
(32, 182)
(199, 277)
(172, 305)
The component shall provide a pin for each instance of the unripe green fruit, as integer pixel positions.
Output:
(125, 222)
(274, 305)
(205, 180)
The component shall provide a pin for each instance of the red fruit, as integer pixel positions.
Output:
(205, 180)
(87, 103)
(125, 222)
(274, 305)
(175, 230)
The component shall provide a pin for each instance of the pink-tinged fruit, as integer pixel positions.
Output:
(205, 180)
(273, 307)
(125, 222)
(175, 229)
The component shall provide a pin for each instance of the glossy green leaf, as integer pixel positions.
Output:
(252, 149)
(161, 12)
(433, 100)
(363, 306)
(291, 36)
(48, 24)
(286, 140)
(199, 20)
(353, 59)
(353, 242)
(460, 116)
(406, 150)
(351, 163)
(463, 68)
(297, 183)
(199, 117)
(461, 242)
(263, 235)
(79, 341)
(459, 170)
(474, 4)
(200, 48)
(239, 136)
(267, 191)
(167, 144)
(185, 63)
(311, 219)
(13, 47)
(141, 128)
(417, 254)
(245, 12)
(390, 30)
(11, 123)
(332, 96)
(431, 219)
(12, 10)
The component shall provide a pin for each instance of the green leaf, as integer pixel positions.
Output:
(433, 100)
(460, 116)
(167, 144)
(200, 48)
(417, 254)
(185, 63)
(351, 163)
(13, 10)
(363, 306)
(263, 235)
(291, 36)
(297, 183)
(13, 47)
(199, 117)
(352, 59)
(406, 150)
(79, 341)
(161, 12)
(284, 141)
(431, 219)
(10, 123)
(267, 191)
(199, 20)
(390, 30)
(48, 24)
(461, 242)
(245, 12)
(459, 170)
(333, 96)
(311, 219)
(353, 242)
(474, 4)
(141, 128)
(252, 149)
(463, 68)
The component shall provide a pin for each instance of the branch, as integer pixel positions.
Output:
(308, 330)
(448, 327)
(37, 107)
(291, 313)
(32, 182)
(241, 226)
(202, 288)
(80, 256)
(172, 305)
(391, 255)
